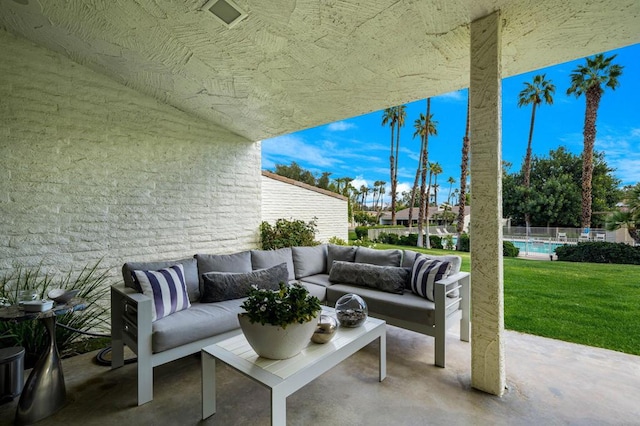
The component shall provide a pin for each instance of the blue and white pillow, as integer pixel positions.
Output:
(425, 273)
(167, 289)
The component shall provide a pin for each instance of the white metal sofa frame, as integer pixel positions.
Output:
(131, 326)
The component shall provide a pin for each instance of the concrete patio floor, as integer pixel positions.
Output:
(549, 383)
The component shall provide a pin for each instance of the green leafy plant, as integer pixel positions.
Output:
(287, 233)
(337, 241)
(289, 305)
(29, 334)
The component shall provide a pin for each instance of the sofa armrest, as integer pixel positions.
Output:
(130, 323)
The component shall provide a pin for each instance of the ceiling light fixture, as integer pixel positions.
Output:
(226, 11)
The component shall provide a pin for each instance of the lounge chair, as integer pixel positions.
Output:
(584, 236)
(562, 236)
(601, 237)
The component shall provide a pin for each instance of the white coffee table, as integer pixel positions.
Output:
(283, 377)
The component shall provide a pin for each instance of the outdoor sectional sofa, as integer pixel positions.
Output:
(161, 326)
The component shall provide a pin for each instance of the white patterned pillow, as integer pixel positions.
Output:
(167, 289)
(425, 273)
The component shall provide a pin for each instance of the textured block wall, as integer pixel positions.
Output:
(282, 200)
(91, 169)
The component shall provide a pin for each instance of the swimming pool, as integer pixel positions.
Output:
(533, 246)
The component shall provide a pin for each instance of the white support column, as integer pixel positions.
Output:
(487, 300)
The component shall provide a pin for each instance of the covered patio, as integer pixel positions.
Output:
(130, 130)
(550, 382)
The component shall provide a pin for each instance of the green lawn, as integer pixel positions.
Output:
(589, 303)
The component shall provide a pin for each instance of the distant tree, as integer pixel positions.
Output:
(589, 80)
(420, 130)
(324, 180)
(629, 215)
(424, 196)
(436, 169)
(554, 195)
(450, 181)
(534, 94)
(295, 172)
(394, 117)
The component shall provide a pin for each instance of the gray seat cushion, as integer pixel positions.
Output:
(406, 306)
(392, 279)
(318, 279)
(190, 274)
(200, 321)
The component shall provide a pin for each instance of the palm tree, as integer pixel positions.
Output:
(424, 198)
(390, 117)
(533, 93)
(419, 125)
(630, 218)
(464, 171)
(436, 170)
(589, 80)
(450, 181)
(401, 115)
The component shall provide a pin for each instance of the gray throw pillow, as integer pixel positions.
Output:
(236, 262)
(220, 286)
(339, 253)
(309, 260)
(391, 279)
(379, 257)
(261, 259)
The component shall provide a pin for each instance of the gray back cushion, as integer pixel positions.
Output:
(236, 262)
(262, 259)
(410, 256)
(190, 274)
(309, 261)
(379, 257)
(340, 253)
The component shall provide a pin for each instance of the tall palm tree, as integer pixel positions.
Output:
(436, 170)
(401, 115)
(464, 172)
(390, 117)
(424, 198)
(421, 129)
(533, 94)
(589, 80)
(450, 181)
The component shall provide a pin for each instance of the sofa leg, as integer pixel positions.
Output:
(440, 348)
(145, 382)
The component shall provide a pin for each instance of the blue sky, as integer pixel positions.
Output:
(358, 147)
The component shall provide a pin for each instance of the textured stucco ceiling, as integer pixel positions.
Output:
(296, 64)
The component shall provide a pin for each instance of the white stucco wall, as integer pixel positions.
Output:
(283, 198)
(91, 169)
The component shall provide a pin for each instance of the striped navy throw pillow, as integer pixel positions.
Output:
(425, 273)
(166, 288)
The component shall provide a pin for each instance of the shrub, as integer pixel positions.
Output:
(599, 252)
(435, 241)
(408, 240)
(287, 233)
(352, 235)
(463, 242)
(509, 250)
(30, 334)
(338, 241)
(386, 238)
(448, 242)
(362, 232)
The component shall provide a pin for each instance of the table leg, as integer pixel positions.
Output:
(278, 408)
(208, 385)
(383, 356)
(45, 392)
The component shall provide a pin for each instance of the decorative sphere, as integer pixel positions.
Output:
(325, 330)
(351, 310)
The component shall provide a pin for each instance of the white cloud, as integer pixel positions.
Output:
(456, 96)
(622, 153)
(358, 182)
(285, 149)
(340, 126)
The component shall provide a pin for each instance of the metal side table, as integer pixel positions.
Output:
(44, 393)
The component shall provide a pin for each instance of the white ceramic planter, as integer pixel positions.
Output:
(274, 342)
